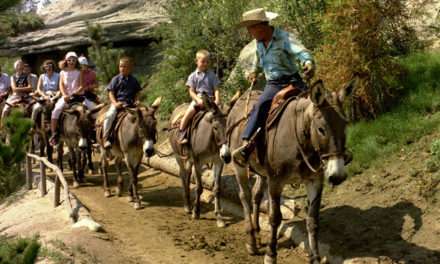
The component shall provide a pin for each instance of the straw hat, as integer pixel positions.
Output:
(256, 16)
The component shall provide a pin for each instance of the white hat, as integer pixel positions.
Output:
(256, 16)
(71, 54)
(16, 63)
(83, 61)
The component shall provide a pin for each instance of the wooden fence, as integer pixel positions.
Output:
(59, 180)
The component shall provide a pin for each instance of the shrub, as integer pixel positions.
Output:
(11, 155)
(21, 250)
(362, 38)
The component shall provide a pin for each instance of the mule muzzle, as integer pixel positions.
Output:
(149, 148)
(335, 171)
(225, 154)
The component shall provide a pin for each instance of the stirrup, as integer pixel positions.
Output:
(107, 144)
(241, 155)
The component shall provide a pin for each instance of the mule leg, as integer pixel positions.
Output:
(104, 166)
(60, 155)
(199, 190)
(81, 164)
(89, 156)
(218, 169)
(241, 175)
(275, 189)
(133, 171)
(185, 176)
(314, 194)
(257, 196)
(119, 190)
(73, 166)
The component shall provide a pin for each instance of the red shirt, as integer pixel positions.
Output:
(89, 79)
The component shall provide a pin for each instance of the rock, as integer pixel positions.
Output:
(66, 24)
(88, 223)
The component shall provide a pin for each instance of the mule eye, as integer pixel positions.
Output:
(321, 131)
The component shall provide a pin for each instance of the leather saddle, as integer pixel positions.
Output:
(280, 102)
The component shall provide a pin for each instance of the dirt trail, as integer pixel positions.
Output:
(163, 233)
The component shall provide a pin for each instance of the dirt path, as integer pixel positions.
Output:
(162, 233)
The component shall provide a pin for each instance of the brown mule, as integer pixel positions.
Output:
(207, 144)
(306, 145)
(135, 136)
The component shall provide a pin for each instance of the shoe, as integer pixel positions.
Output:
(107, 144)
(241, 155)
(53, 141)
(182, 137)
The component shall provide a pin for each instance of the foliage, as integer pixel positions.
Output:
(415, 115)
(196, 25)
(104, 55)
(21, 250)
(362, 38)
(303, 17)
(13, 23)
(11, 155)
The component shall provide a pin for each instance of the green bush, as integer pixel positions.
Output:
(414, 116)
(11, 155)
(19, 251)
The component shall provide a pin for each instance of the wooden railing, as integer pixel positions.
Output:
(59, 180)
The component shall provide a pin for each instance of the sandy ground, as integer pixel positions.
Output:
(159, 233)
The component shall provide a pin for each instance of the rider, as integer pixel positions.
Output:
(70, 87)
(5, 85)
(32, 77)
(277, 54)
(21, 88)
(202, 80)
(122, 92)
(90, 82)
(48, 85)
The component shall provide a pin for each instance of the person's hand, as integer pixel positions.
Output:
(309, 69)
(252, 78)
(199, 101)
(118, 105)
(66, 98)
(217, 102)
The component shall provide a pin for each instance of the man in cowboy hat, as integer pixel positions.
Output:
(277, 55)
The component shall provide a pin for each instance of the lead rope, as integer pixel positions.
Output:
(301, 150)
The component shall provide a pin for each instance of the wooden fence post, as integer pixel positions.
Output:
(56, 201)
(43, 178)
(29, 172)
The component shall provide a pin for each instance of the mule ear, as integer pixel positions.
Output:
(156, 103)
(347, 90)
(318, 93)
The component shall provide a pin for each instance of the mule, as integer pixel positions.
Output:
(134, 137)
(306, 145)
(207, 144)
(75, 126)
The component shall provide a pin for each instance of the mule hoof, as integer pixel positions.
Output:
(324, 260)
(75, 184)
(137, 206)
(187, 209)
(317, 260)
(130, 199)
(118, 192)
(252, 249)
(221, 223)
(270, 260)
(195, 216)
(107, 193)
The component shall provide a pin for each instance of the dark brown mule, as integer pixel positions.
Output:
(207, 144)
(306, 145)
(135, 136)
(75, 126)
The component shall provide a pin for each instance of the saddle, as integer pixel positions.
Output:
(280, 102)
(193, 123)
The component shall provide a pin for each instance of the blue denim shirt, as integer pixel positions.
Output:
(281, 55)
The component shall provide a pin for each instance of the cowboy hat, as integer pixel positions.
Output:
(256, 16)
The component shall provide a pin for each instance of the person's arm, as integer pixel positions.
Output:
(81, 84)
(255, 66)
(217, 96)
(40, 86)
(62, 88)
(13, 85)
(297, 51)
(194, 96)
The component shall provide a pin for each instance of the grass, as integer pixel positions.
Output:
(19, 250)
(415, 116)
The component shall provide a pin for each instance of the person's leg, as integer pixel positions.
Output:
(7, 108)
(58, 109)
(110, 117)
(89, 104)
(189, 114)
(257, 119)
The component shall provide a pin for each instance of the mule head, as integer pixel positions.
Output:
(217, 119)
(147, 123)
(81, 122)
(327, 130)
